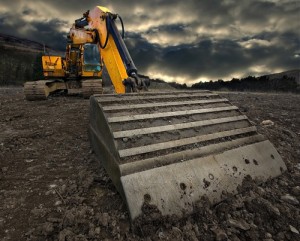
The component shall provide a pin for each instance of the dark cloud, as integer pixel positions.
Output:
(190, 39)
(47, 32)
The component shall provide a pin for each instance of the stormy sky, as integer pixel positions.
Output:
(184, 41)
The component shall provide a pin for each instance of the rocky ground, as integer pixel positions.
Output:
(53, 188)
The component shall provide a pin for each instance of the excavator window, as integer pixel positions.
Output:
(91, 58)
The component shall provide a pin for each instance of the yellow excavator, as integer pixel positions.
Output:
(82, 66)
(169, 149)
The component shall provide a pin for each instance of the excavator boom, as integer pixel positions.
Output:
(116, 57)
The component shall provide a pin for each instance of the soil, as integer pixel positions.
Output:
(53, 188)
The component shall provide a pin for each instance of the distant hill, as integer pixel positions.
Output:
(20, 43)
(284, 81)
(287, 81)
(291, 73)
(20, 59)
(8, 41)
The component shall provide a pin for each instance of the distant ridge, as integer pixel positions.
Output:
(290, 73)
(12, 41)
(20, 58)
(22, 44)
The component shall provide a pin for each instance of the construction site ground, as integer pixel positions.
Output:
(53, 188)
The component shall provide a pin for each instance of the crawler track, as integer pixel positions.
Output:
(41, 89)
(36, 90)
(91, 87)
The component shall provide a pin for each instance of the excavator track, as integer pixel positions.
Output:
(91, 87)
(41, 89)
(171, 148)
(36, 90)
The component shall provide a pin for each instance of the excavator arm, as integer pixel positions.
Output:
(116, 57)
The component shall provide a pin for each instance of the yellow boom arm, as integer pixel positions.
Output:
(110, 54)
(116, 57)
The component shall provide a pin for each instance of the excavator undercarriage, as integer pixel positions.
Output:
(41, 89)
(169, 149)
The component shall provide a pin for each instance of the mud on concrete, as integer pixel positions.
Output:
(53, 188)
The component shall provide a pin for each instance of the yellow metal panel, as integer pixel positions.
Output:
(52, 66)
(91, 74)
(51, 62)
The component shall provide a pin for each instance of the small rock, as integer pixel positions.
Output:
(103, 219)
(241, 224)
(282, 183)
(293, 229)
(260, 190)
(92, 233)
(177, 230)
(63, 188)
(290, 199)
(97, 230)
(125, 139)
(57, 203)
(54, 220)
(268, 235)
(161, 235)
(267, 123)
(29, 160)
(234, 238)
(47, 228)
(275, 210)
(220, 234)
(296, 190)
(70, 218)
(52, 186)
(253, 226)
(196, 230)
(298, 166)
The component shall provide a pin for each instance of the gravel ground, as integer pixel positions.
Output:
(53, 188)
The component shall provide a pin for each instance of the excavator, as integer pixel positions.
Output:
(169, 149)
(80, 69)
(82, 66)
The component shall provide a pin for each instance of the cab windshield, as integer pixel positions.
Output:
(91, 57)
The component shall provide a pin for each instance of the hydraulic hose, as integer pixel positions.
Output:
(122, 24)
(107, 31)
(107, 34)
